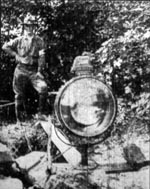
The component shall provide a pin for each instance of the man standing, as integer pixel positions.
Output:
(29, 53)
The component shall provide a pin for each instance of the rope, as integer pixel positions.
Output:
(8, 104)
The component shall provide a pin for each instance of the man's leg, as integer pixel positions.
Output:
(19, 83)
(19, 107)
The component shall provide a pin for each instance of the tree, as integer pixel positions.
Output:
(116, 32)
(125, 55)
(69, 28)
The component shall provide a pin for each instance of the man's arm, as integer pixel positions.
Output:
(11, 48)
(8, 50)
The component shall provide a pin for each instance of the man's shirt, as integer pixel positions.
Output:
(28, 48)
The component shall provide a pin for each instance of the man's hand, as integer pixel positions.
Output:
(39, 75)
(18, 58)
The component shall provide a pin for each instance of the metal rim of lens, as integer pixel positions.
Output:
(59, 113)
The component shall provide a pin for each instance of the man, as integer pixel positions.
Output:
(29, 53)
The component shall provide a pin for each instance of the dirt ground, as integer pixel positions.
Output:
(108, 152)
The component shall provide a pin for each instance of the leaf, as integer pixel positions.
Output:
(146, 35)
(117, 63)
(128, 90)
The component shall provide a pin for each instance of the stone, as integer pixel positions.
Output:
(3, 137)
(97, 176)
(29, 160)
(10, 183)
(133, 155)
(5, 154)
(36, 165)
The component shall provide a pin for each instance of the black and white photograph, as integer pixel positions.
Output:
(75, 94)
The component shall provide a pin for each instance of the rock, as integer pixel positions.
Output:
(5, 155)
(29, 160)
(58, 185)
(11, 169)
(3, 138)
(36, 165)
(97, 177)
(10, 183)
(133, 155)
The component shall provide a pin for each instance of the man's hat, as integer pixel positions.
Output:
(30, 20)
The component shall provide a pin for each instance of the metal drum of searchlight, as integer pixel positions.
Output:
(86, 109)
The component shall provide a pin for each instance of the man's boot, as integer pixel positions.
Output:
(20, 112)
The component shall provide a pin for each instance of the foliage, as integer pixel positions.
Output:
(68, 29)
(117, 33)
(141, 110)
(123, 62)
(23, 140)
(133, 117)
(125, 56)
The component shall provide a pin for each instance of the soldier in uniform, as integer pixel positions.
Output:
(29, 53)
